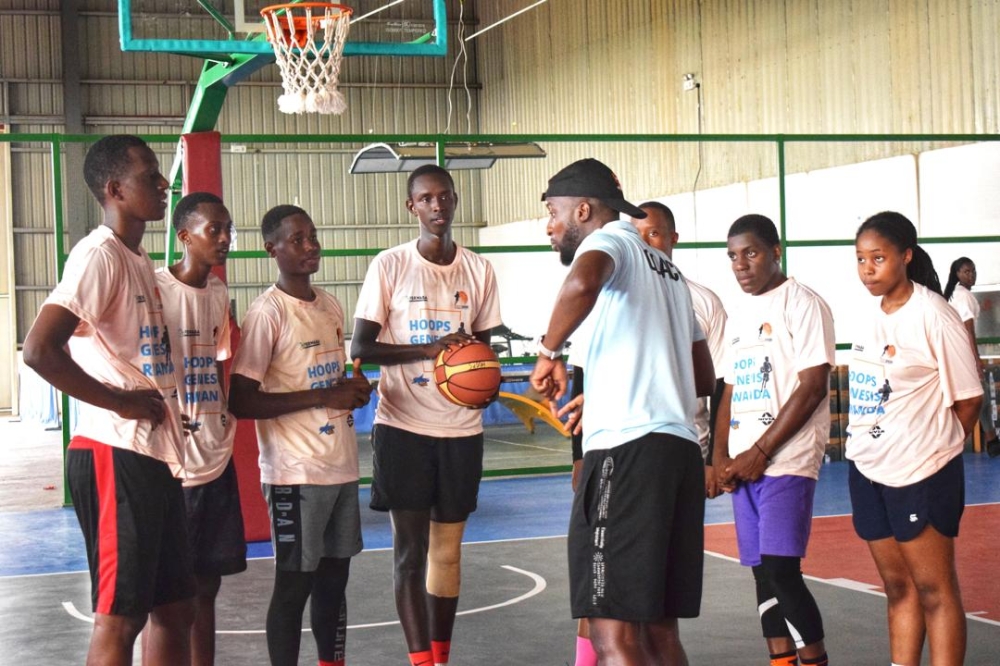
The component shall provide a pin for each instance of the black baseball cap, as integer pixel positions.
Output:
(591, 178)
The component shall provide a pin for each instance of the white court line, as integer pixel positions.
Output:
(538, 588)
(856, 586)
(527, 446)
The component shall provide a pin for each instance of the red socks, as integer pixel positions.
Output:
(441, 650)
(424, 658)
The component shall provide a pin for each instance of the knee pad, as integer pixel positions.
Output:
(795, 601)
(772, 622)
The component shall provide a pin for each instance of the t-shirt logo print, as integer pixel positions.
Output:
(883, 393)
(766, 418)
(327, 429)
(765, 372)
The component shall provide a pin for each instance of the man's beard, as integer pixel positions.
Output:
(569, 245)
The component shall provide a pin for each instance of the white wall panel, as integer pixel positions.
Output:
(765, 66)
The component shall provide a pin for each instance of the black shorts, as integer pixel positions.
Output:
(636, 532)
(415, 473)
(131, 511)
(215, 525)
(880, 512)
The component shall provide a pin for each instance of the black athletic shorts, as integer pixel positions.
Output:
(131, 511)
(215, 525)
(414, 473)
(880, 512)
(636, 532)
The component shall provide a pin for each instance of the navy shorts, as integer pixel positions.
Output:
(414, 472)
(215, 525)
(131, 511)
(636, 533)
(882, 511)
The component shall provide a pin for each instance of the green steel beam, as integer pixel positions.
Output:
(517, 138)
(782, 235)
(60, 220)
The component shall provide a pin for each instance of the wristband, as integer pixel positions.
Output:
(551, 354)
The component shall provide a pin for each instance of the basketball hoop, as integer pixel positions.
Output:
(308, 40)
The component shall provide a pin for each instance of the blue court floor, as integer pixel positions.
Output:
(49, 541)
(514, 607)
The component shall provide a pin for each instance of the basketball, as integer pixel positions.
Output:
(468, 376)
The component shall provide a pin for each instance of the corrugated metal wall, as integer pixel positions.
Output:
(149, 93)
(565, 67)
(765, 66)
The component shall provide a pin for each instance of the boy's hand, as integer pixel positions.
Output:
(140, 405)
(573, 411)
(350, 392)
(432, 349)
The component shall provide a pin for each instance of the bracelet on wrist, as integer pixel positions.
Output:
(763, 452)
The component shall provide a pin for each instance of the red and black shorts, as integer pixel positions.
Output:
(131, 511)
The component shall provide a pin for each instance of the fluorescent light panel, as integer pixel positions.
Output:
(403, 158)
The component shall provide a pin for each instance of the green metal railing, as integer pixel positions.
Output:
(779, 141)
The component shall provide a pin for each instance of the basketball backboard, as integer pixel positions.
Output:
(224, 27)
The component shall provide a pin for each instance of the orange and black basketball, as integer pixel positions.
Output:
(468, 376)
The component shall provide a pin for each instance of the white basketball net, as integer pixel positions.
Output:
(309, 71)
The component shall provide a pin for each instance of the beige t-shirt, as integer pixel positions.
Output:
(121, 341)
(294, 345)
(199, 328)
(417, 302)
(908, 370)
(771, 338)
(711, 316)
(965, 303)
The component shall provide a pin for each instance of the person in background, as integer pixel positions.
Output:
(957, 291)
(659, 230)
(905, 440)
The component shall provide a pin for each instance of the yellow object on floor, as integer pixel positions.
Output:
(527, 410)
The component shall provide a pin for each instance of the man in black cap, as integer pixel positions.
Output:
(635, 535)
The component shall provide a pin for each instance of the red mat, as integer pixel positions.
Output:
(836, 552)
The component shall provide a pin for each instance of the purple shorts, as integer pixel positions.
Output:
(773, 517)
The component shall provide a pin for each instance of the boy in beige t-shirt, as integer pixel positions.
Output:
(101, 338)
(417, 299)
(289, 373)
(196, 308)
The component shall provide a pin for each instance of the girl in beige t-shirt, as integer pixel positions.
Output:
(915, 396)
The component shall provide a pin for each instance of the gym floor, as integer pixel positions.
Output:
(514, 607)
